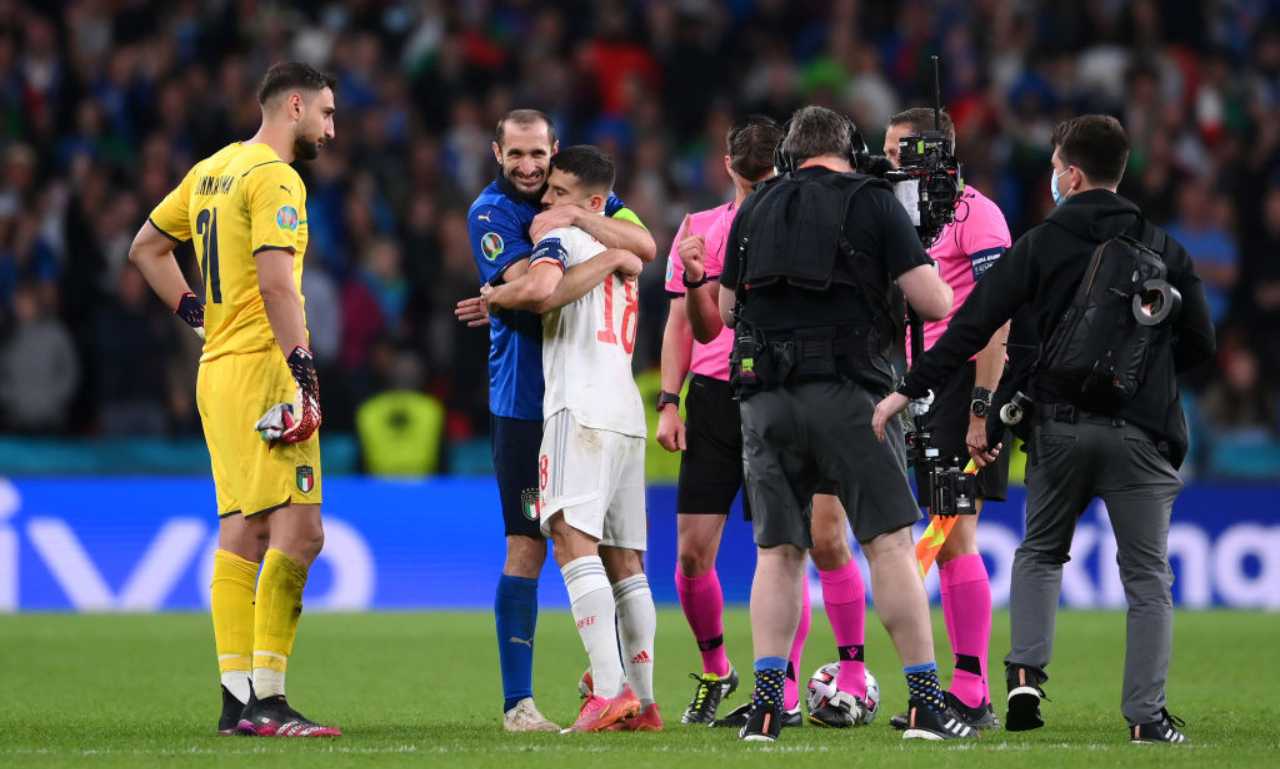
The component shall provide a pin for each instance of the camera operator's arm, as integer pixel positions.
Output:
(926, 291)
(1007, 286)
(1193, 339)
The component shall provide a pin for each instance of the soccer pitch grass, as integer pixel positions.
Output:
(422, 689)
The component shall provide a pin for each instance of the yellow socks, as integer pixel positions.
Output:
(231, 603)
(275, 624)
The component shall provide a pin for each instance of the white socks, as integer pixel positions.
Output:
(637, 624)
(594, 612)
(237, 682)
(267, 682)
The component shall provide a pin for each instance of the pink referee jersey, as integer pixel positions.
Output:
(713, 225)
(966, 249)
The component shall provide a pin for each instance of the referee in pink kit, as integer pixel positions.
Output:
(711, 469)
(957, 420)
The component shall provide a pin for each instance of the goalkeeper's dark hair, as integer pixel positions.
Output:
(592, 166)
(293, 76)
(750, 145)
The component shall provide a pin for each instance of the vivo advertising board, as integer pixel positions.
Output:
(133, 544)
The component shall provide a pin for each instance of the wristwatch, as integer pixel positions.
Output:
(665, 397)
(684, 278)
(981, 402)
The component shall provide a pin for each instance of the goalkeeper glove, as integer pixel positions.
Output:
(289, 422)
(191, 312)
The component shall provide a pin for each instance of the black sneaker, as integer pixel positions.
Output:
(764, 724)
(840, 712)
(706, 698)
(981, 718)
(925, 723)
(1163, 731)
(1023, 712)
(737, 718)
(231, 710)
(272, 717)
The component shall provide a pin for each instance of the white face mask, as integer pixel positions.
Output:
(1053, 188)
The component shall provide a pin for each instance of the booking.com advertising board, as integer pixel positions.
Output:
(146, 545)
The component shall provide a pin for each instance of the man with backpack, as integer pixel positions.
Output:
(1119, 312)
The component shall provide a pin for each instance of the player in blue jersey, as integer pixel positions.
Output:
(504, 222)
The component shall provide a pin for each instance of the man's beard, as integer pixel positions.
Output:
(535, 196)
(306, 149)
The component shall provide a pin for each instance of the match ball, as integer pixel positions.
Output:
(822, 687)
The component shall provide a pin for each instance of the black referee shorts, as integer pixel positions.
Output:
(516, 443)
(948, 422)
(711, 466)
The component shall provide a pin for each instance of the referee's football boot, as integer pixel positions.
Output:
(981, 718)
(764, 723)
(925, 723)
(1024, 698)
(272, 717)
(1165, 730)
(231, 710)
(739, 716)
(711, 690)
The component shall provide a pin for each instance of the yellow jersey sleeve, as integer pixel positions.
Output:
(627, 215)
(171, 215)
(277, 205)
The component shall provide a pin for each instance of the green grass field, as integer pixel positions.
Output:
(422, 689)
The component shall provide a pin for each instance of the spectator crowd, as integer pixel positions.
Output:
(104, 104)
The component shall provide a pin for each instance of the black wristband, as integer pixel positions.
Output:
(190, 310)
(665, 397)
(684, 278)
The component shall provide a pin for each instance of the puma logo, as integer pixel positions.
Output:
(516, 640)
(482, 217)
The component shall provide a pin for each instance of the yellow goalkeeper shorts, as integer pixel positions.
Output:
(250, 475)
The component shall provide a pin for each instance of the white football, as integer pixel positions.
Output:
(822, 687)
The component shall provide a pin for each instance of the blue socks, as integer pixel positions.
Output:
(515, 610)
(771, 674)
(922, 682)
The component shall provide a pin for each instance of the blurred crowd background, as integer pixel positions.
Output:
(104, 104)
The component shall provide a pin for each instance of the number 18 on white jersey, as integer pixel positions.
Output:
(587, 344)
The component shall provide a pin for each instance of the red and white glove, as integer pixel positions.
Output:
(295, 422)
(191, 312)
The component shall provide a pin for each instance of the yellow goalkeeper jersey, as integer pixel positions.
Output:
(236, 203)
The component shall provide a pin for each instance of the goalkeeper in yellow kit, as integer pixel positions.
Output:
(257, 393)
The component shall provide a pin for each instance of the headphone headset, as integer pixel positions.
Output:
(785, 162)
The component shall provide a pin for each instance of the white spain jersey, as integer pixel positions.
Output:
(587, 344)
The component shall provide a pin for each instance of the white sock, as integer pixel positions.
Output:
(594, 613)
(237, 682)
(267, 682)
(637, 625)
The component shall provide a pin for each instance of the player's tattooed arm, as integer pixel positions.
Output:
(528, 292)
(613, 232)
(581, 278)
(152, 253)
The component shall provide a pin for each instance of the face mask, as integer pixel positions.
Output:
(1053, 189)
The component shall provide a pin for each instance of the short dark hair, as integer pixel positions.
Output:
(750, 145)
(524, 117)
(817, 131)
(592, 166)
(291, 75)
(1096, 144)
(921, 119)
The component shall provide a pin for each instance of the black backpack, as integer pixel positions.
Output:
(1099, 353)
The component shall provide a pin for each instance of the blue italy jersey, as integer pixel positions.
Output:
(498, 225)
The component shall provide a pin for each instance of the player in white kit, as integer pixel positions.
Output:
(591, 466)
